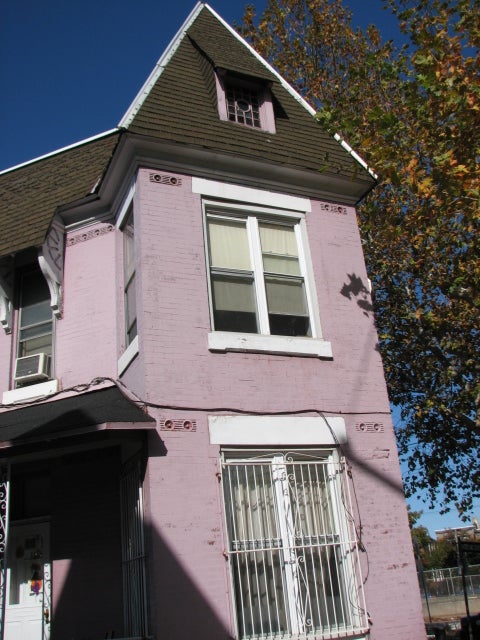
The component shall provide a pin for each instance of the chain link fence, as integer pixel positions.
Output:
(448, 582)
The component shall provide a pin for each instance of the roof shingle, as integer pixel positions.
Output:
(31, 194)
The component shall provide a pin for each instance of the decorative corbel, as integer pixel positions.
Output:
(50, 259)
(6, 295)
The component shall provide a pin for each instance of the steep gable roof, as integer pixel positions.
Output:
(179, 104)
(31, 193)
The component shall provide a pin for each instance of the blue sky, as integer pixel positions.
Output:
(70, 69)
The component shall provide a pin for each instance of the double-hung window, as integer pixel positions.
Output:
(129, 277)
(129, 331)
(292, 548)
(257, 274)
(260, 273)
(35, 316)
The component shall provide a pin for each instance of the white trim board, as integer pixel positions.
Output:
(277, 430)
(30, 392)
(226, 191)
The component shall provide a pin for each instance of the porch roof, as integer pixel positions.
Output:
(100, 410)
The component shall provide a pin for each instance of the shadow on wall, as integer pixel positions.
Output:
(356, 288)
(87, 568)
(86, 547)
(179, 608)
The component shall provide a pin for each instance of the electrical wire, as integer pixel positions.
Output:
(84, 387)
(144, 404)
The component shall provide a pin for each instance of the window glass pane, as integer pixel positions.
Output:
(233, 304)
(44, 329)
(35, 299)
(30, 347)
(229, 245)
(129, 277)
(35, 325)
(130, 311)
(281, 264)
(36, 312)
(279, 248)
(132, 332)
(129, 248)
(243, 105)
(287, 307)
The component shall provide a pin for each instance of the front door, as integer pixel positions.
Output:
(27, 610)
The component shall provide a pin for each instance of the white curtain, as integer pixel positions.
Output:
(229, 245)
(279, 249)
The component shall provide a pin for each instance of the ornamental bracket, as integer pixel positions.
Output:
(6, 295)
(50, 259)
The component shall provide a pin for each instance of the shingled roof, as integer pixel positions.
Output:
(31, 194)
(178, 104)
(181, 106)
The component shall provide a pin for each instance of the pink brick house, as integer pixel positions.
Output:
(195, 438)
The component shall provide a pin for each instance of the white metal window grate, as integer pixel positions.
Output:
(292, 546)
(4, 525)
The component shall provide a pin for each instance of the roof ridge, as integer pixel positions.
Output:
(293, 92)
(173, 46)
(288, 87)
(55, 152)
(175, 43)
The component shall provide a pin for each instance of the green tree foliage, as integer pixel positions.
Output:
(433, 554)
(414, 114)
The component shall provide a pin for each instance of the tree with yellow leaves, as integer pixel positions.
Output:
(413, 112)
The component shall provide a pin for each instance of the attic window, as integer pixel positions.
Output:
(244, 102)
(243, 106)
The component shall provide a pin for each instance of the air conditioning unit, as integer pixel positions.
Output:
(32, 368)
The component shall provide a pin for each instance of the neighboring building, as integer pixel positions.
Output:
(195, 432)
(466, 532)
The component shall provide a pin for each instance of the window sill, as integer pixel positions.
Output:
(31, 392)
(258, 343)
(128, 355)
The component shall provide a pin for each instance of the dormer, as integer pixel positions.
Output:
(243, 100)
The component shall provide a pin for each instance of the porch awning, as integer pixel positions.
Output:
(101, 410)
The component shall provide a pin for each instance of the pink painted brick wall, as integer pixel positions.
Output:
(188, 574)
(184, 494)
(86, 336)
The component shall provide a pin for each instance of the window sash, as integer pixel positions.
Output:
(35, 326)
(129, 288)
(243, 105)
(268, 253)
(293, 559)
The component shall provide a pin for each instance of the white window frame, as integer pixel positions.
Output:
(35, 271)
(132, 349)
(312, 345)
(296, 546)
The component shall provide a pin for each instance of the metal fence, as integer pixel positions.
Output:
(447, 583)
